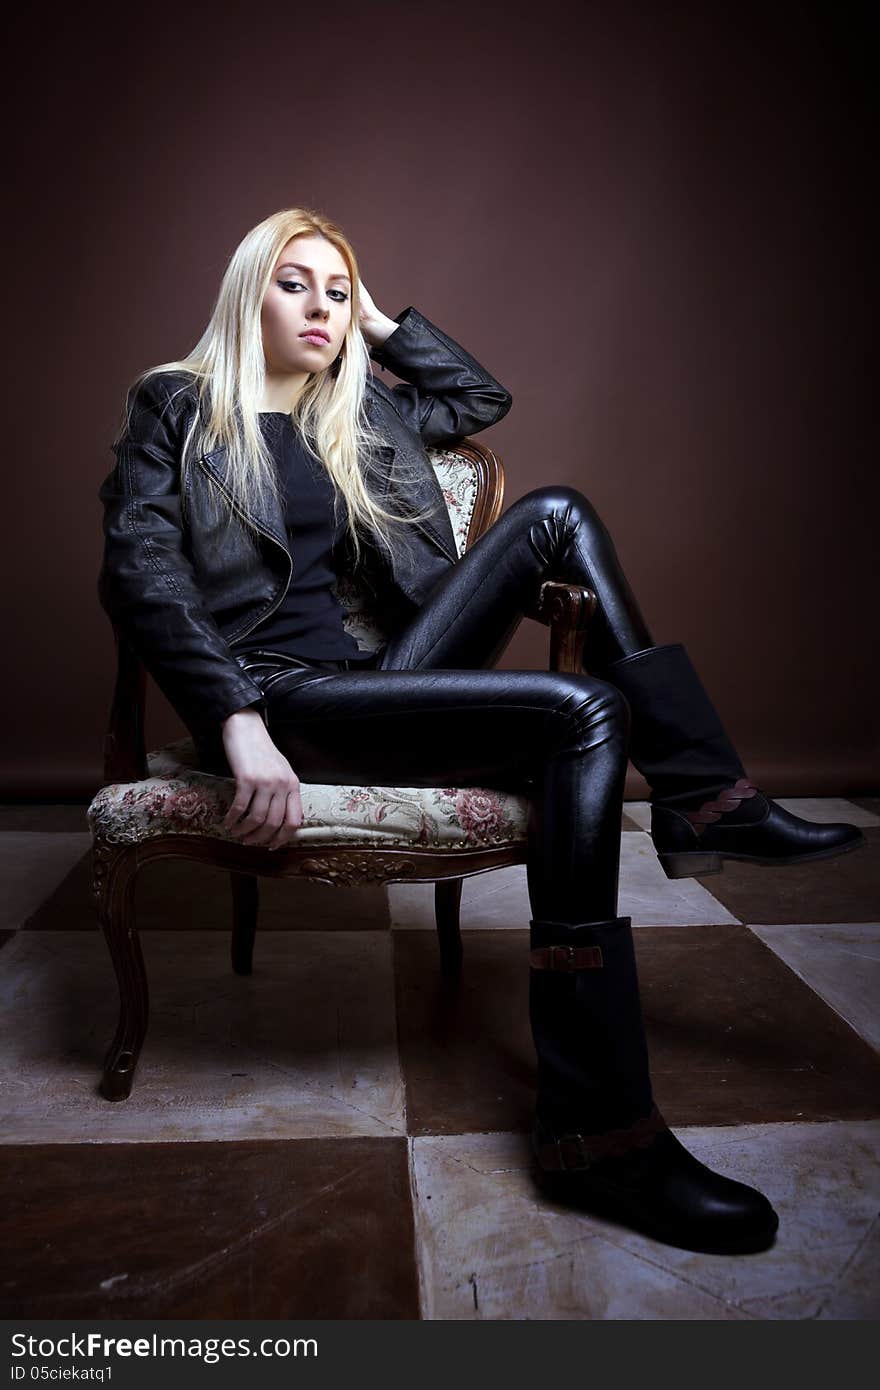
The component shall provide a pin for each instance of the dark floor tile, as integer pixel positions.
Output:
(845, 889)
(181, 893)
(465, 1049)
(735, 1036)
(310, 1228)
(44, 818)
(4, 937)
(868, 803)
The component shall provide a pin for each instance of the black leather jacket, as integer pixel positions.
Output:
(181, 588)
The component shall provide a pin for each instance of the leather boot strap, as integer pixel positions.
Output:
(570, 1152)
(726, 800)
(566, 958)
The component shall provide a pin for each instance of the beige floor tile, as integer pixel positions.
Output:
(490, 1247)
(823, 1180)
(825, 809)
(32, 864)
(857, 1294)
(500, 899)
(304, 1047)
(412, 905)
(640, 812)
(495, 899)
(652, 899)
(841, 963)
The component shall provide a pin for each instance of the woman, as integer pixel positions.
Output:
(273, 440)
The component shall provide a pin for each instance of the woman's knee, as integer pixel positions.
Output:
(564, 506)
(592, 710)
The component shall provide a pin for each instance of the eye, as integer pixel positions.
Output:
(291, 285)
(341, 293)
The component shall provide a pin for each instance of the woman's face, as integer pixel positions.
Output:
(306, 308)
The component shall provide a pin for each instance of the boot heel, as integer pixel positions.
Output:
(690, 865)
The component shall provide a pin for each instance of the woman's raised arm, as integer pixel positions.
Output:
(446, 394)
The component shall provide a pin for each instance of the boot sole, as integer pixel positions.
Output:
(696, 864)
(612, 1205)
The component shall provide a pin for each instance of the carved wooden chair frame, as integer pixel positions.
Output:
(565, 608)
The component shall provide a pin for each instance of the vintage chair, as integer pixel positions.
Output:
(155, 805)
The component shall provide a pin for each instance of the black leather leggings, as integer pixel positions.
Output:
(427, 712)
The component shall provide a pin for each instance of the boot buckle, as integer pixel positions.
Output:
(561, 958)
(566, 958)
(564, 1154)
(573, 1152)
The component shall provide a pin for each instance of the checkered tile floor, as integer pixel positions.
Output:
(341, 1135)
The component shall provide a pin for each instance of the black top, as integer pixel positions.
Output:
(308, 620)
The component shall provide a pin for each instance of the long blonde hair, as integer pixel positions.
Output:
(228, 365)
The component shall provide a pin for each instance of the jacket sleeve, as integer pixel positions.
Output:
(147, 585)
(446, 394)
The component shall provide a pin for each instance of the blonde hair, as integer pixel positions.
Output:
(228, 365)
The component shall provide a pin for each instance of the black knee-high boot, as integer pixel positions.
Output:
(704, 809)
(677, 740)
(599, 1141)
(587, 1026)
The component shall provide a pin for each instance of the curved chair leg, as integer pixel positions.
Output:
(115, 869)
(447, 908)
(245, 905)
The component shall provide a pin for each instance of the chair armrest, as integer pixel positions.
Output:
(566, 609)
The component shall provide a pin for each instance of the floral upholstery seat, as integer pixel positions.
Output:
(176, 798)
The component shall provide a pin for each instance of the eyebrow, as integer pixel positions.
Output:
(292, 265)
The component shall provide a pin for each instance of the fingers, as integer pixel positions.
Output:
(293, 817)
(367, 304)
(240, 802)
(264, 814)
(252, 828)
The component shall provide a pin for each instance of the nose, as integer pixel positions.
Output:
(319, 308)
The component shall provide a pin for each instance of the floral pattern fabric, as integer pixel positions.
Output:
(457, 477)
(179, 799)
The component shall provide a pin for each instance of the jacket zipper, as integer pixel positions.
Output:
(263, 532)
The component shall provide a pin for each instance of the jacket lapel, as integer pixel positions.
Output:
(270, 519)
(416, 487)
(408, 472)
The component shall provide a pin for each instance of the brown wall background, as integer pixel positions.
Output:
(648, 221)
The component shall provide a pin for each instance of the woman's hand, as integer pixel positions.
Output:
(374, 325)
(267, 806)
